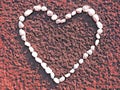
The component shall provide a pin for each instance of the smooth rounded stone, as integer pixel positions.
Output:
(67, 75)
(22, 32)
(95, 17)
(44, 8)
(37, 8)
(58, 21)
(85, 56)
(54, 17)
(49, 13)
(37, 59)
(99, 31)
(92, 47)
(48, 70)
(85, 8)
(91, 12)
(63, 20)
(72, 70)
(23, 38)
(99, 25)
(73, 13)
(62, 79)
(28, 12)
(44, 65)
(68, 16)
(98, 36)
(81, 61)
(27, 44)
(76, 65)
(89, 52)
(79, 10)
(96, 42)
(52, 75)
(34, 54)
(22, 18)
(20, 24)
(56, 80)
(31, 49)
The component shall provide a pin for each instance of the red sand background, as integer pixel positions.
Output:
(60, 46)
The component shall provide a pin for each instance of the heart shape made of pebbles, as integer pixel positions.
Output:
(87, 9)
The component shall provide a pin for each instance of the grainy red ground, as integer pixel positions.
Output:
(60, 46)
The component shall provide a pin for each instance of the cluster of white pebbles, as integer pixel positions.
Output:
(91, 12)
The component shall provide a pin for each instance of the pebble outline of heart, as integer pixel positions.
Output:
(54, 17)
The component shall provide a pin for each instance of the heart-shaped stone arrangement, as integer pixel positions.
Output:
(54, 17)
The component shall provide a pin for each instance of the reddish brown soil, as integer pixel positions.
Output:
(60, 46)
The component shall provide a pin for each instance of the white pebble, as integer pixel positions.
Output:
(54, 17)
(38, 60)
(23, 38)
(72, 70)
(37, 8)
(96, 42)
(76, 65)
(22, 18)
(27, 44)
(79, 10)
(44, 65)
(95, 17)
(99, 31)
(73, 13)
(22, 32)
(52, 75)
(20, 24)
(63, 20)
(31, 49)
(85, 56)
(49, 13)
(81, 61)
(58, 21)
(48, 70)
(98, 36)
(92, 47)
(89, 52)
(28, 12)
(44, 8)
(62, 79)
(99, 25)
(34, 54)
(91, 12)
(85, 8)
(67, 75)
(56, 80)
(68, 16)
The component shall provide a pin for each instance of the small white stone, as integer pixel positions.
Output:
(38, 60)
(98, 36)
(81, 61)
(52, 75)
(85, 56)
(28, 12)
(96, 42)
(22, 32)
(91, 12)
(44, 8)
(73, 13)
(68, 16)
(79, 10)
(23, 38)
(48, 70)
(20, 24)
(58, 21)
(37, 8)
(44, 65)
(63, 20)
(92, 47)
(99, 25)
(22, 18)
(56, 80)
(72, 70)
(49, 13)
(89, 52)
(27, 44)
(95, 17)
(31, 49)
(85, 8)
(76, 65)
(54, 17)
(62, 79)
(67, 75)
(34, 54)
(99, 31)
